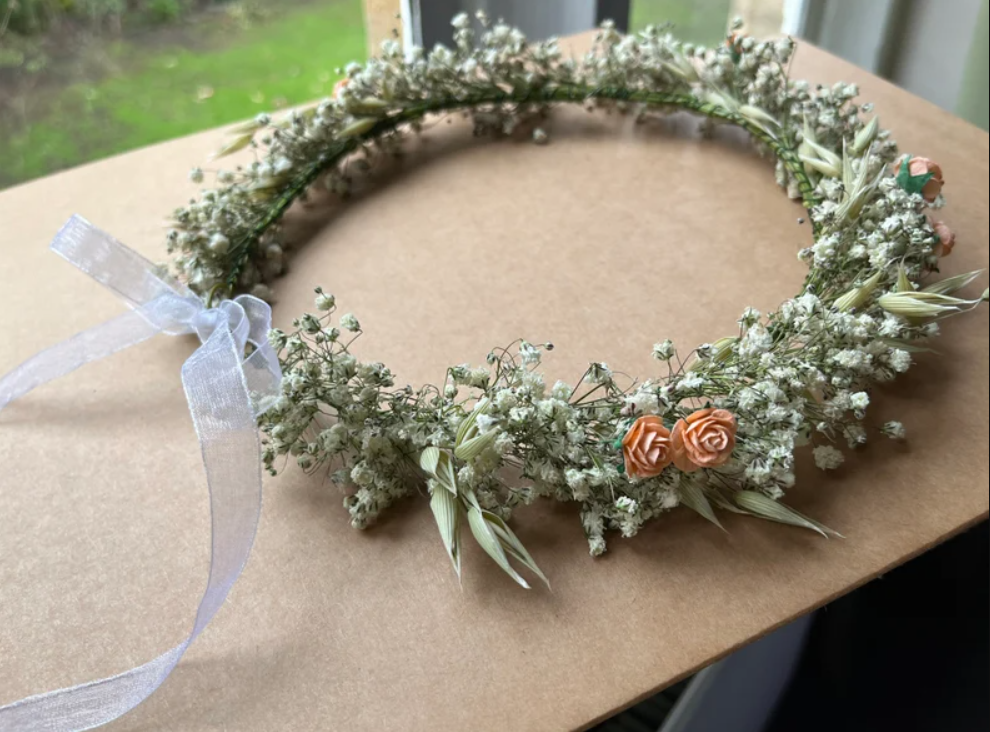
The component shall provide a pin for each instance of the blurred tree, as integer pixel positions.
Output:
(30, 17)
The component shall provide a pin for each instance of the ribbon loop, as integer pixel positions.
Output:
(229, 381)
(114, 265)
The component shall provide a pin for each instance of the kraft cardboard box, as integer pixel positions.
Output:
(611, 238)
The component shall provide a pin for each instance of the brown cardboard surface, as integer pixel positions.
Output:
(606, 241)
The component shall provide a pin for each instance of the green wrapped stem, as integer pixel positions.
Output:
(574, 94)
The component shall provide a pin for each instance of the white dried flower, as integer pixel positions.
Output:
(505, 400)
(325, 302)
(860, 401)
(895, 431)
(626, 505)
(900, 361)
(529, 354)
(350, 323)
(689, 383)
(828, 458)
(664, 351)
(219, 244)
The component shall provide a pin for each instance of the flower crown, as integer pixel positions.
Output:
(718, 427)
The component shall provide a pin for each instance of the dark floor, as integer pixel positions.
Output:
(648, 716)
(908, 653)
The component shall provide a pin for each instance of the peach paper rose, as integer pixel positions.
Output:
(946, 239)
(919, 167)
(706, 439)
(647, 448)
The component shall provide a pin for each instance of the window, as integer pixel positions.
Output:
(702, 21)
(86, 79)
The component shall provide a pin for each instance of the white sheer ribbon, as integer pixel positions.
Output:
(226, 392)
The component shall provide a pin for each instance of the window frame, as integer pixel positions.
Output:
(864, 33)
(427, 22)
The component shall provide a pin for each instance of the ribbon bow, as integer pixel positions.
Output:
(227, 391)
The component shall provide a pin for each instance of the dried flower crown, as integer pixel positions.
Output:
(719, 430)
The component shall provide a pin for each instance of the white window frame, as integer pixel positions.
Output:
(920, 45)
(795, 17)
(860, 32)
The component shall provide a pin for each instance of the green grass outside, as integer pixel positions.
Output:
(170, 91)
(162, 90)
(698, 21)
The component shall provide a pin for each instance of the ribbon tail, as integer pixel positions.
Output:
(220, 405)
(91, 345)
(91, 705)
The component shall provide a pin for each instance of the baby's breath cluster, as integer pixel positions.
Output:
(344, 417)
(715, 428)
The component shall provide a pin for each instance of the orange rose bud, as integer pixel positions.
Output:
(340, 86)
(647, 448)
(946, 239)
(919, 167)
(706, 439)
